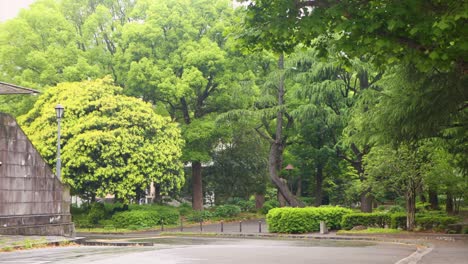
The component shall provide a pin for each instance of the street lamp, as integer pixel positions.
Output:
(289, 168)
(59, 112)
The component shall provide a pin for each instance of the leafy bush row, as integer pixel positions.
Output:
(144, 218)
(302, 220)
(427, 221)
(366, 219)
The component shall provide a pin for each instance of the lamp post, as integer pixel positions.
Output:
(59, 112)
(289, 168)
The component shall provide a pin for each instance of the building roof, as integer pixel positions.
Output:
(6, 88)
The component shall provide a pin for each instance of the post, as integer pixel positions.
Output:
(59, 163)
(240, 226)
(181, 224)
(162, 225)
(59, 114)
(222, 226)
(259, 226)
(201, 226)
(323, 228)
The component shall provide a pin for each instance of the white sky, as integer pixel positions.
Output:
(10, 8)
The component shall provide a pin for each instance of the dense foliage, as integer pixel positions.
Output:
(352, 103)
(303, 220)
(111, 143)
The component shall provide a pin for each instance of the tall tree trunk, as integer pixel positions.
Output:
(366, 198)
(157, 193)
(259, 201)
(449, 203)
(410, 210)
(277, 146)
(197, 187)
(299, 186)
(366, 202)
(433, 199)
(281, 200)
(318, 186)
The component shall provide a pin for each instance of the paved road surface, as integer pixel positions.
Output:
(218, 251)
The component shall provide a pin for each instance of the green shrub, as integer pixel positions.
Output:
(141, 218)
(302, 220)
(184, 209)
(396, 209)
(227, 210)
(96, 213)
(147, 216)
(435, 222)
(268, 205)
(398, 220)
(245, 205)
(366, 219)
(82, 222)
(200, 216)
(381, 208)
(307, 200)
(75, 210)
(422, 207)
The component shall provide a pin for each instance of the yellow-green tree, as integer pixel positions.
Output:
(111, 143)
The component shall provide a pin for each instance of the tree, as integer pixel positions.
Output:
(336, 95)
(239, 162)
(181, 59)
(399, 169)
(112, 144)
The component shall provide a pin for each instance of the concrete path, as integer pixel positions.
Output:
(218, 251)
(440, 247)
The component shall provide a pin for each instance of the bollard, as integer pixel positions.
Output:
(240, 226)
(323, 228)
(162, 225)
(201, 226)
(181, 224)
(222, 226)
(259, 226)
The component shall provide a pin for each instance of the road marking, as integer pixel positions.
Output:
(416, 256)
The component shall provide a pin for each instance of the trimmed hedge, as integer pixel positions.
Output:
(435, 222)
(366, 219)
(398, 220)
(424, 221)
(302, 220)
(145, 218)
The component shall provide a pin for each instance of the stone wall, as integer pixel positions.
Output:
(32, 200)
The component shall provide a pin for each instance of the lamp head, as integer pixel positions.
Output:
(59, 111)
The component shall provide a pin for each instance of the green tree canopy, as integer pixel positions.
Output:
(111, 143)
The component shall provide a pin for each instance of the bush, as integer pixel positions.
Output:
(302, 220)
(435, 222)
(146, 216)
(96, 213)
(200, 216)
(398, 220)
(396, 209)
(381, 208)
(74, 210)
(227, 210)
(366, 219)
(184, 209)
(245, 205)
(268, 205)
(141, 218)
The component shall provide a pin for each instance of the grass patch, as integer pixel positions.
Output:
(371, 231)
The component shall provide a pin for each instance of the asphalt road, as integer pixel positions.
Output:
(218, 251)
